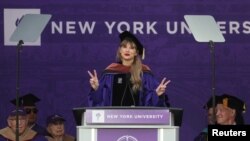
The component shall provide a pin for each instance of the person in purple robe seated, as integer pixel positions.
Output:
(24, 133)
(28, 103)
(127, 82)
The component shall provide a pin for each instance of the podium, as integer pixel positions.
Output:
(128, 123)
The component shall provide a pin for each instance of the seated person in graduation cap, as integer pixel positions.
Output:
(25, 133)
(127, 82)
(28, 102)
(203, 135)
(229, 110)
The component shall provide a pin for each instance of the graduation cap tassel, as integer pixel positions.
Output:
(143, 54)
(244, 108)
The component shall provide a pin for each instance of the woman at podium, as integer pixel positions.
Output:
(127, 82)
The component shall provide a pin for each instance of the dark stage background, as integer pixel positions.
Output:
(83, 36)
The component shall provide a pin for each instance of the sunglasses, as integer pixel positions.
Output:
(29, 110)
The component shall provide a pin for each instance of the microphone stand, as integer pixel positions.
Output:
(212, 51)
(19, 47)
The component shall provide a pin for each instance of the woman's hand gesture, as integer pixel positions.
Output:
(162, 86)
(94, 82)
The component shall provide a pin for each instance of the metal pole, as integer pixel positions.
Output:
(212, 51)
(19, 47)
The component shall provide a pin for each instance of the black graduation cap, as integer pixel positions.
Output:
(232, 102)
(127, 35)
(26, 100)
(209, 103)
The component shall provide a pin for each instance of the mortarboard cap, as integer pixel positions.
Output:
(26, 100)
(19, 111)
(127, 35)
(54, 118)
(209, 103)
(232, 102)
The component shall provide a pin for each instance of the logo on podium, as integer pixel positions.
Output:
(127, 138)
(98, 116)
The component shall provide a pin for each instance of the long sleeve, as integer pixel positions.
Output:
(147, 96)
(102, 96)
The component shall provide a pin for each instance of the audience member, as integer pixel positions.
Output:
(229, 110)
(210, 114)
(28, 102)
(56, 128)
(10, 132)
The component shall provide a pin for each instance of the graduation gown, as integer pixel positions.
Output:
(6, 134)
(147, 96)
(65, 137)
(203, 136)
(39, 129)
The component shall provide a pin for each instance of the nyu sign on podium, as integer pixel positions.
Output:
(127, 116)
(127, 124)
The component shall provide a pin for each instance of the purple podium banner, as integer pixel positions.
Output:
(128, 116)
(127, 135)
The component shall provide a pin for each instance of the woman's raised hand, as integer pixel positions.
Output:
(94, 82)
(162, 86)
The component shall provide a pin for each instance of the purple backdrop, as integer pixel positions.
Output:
(79, 37)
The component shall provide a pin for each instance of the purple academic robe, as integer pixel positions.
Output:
(6, 134)
(147, 96)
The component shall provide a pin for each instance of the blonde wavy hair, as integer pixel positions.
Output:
(136, 67)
